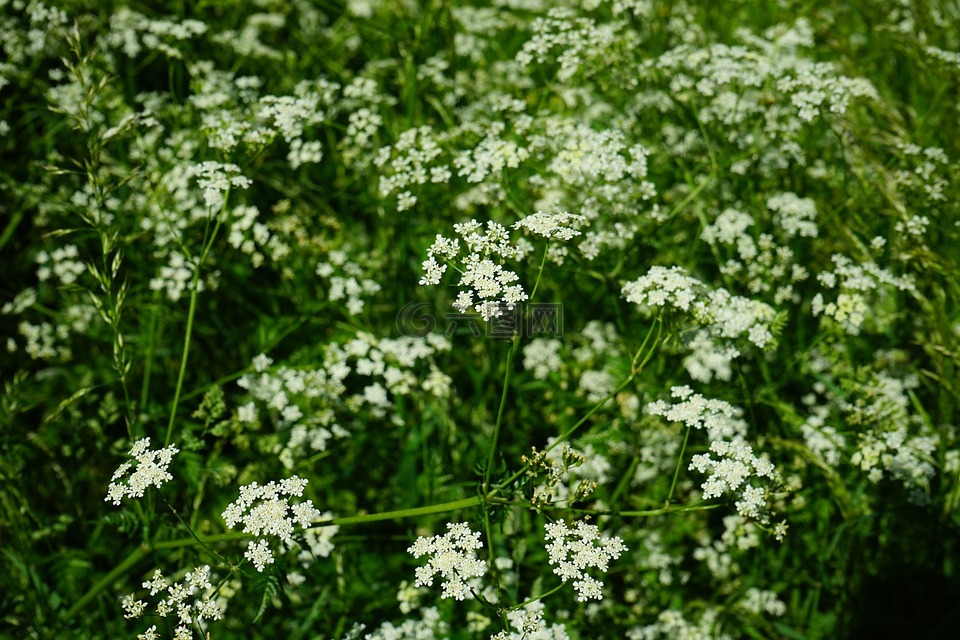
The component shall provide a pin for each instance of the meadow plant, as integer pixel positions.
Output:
(506, 319)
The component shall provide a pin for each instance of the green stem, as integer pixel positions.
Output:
(634, 370)
(466, 503)
(104, 582)
(202, 543)
(148, 357)
(209, 237)
(630, 513)
(506, 382)
(186, 353)
(676, 472)
(537, 598)
(191, 541)
(137, 554)
(503, 403)
(10, 228)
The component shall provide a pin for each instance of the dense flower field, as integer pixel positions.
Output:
(503, 319)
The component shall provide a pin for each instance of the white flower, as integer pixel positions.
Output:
(453, 558)
(266, 511)
(259, 554)
(574, 550)
(151, 469)
(132, 608)
(729, 472)
(561, 225)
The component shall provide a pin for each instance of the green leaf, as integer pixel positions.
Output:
(267, 585)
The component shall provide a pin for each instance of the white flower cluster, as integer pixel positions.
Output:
(541, 356)
(490, 287)
(64, 264)
(429, 625)
(215, 179)
(671, 624)
(926, 174)
(822, 439)
(266, 511)
(761, 263)
(720, 419)
(131, 32)
(729, 472)
(561, 225)
(735, 461)
(151, 469)
(575, 550)
(890, 444)
(527, 624)
(762, 601)
(180, 599)
(453, 556)
(814, 90)
(406, 165)
(346, 281)
(795, 215)
(759, 96)
(572, 41)
(858, 285)
(319, 541)
(721, 313)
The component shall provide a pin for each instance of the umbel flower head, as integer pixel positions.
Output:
(453, 558)
(190, 599)
(266, 511)
(575, 550)
(151, 469)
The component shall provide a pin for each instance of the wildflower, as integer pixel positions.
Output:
(574, 550)
(265, 511)
(561, 225)
(729, 472)
(180, 598)
(453, 556)
(151, 469)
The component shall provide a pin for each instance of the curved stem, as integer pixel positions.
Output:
(634, 370)
(186, 353)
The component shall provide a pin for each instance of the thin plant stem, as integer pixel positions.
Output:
(210, 235)
(191, 312)
(506, 383)
(676, 472)
(455, 505)
(536, 598)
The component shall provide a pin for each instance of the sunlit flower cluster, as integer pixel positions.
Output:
(574, 550)
(265, 510)
(453, 557)
(150, 470)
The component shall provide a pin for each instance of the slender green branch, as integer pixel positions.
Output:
(676, 472)
(491, 459)
(132, 558)
(190, 530)
(209, 237)
(188, 334)
(634, 370)
(536, 598)
(466, 503)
